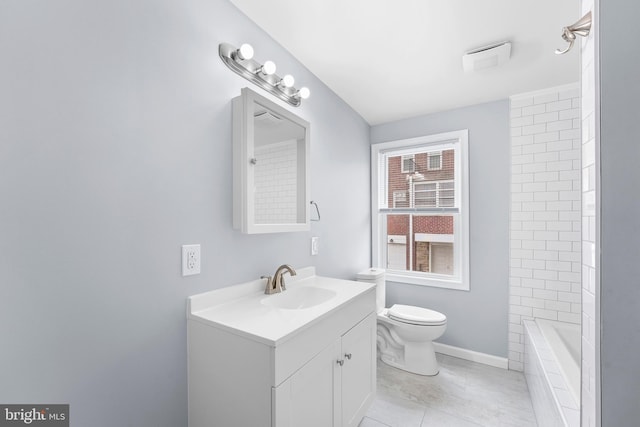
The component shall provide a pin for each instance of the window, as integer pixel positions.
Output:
(421, 211)
(400, 199)
(435, 161)
(408, 164)
(434, 194)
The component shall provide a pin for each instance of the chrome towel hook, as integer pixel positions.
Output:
(580, 28)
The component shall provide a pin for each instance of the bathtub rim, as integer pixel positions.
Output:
(569, 366)
(569, 409)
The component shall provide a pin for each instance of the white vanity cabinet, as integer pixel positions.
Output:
(335, 387)
(319, 372)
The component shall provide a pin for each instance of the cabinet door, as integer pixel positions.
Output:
(358, 371)
(311, 396)
(270, 155)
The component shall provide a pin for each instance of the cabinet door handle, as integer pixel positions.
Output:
(340, 362)
(347, 355)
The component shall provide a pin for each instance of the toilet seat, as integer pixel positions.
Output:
(416, 315)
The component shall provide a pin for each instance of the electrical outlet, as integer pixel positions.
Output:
(315, 245)
(190, 260)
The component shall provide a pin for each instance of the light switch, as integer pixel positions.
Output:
(315, 245)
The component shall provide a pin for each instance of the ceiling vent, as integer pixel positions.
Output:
(486, 57)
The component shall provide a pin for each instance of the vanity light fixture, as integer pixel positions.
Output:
(268, 68)
(245, 52)
(304, 93)
(241, 61)
(287, 81)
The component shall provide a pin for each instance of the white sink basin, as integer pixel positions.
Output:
(245, 310)
(299, 298)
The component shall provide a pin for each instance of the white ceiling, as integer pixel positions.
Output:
(394, 59)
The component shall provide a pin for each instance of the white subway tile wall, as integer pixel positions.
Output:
(276, 185)
(589, 168)
(545, 223)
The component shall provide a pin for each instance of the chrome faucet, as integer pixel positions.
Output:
(276, 284)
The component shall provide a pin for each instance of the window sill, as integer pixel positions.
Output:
(418, 279)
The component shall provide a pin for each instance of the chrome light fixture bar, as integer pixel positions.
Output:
(241, 61)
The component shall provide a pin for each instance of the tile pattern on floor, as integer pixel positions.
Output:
(463, 394)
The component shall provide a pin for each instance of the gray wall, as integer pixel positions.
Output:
(620, 212)
(476, 320)
(115, 149)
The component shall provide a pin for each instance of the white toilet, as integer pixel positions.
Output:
(405, 333)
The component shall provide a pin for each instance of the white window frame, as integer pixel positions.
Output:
(458, 140)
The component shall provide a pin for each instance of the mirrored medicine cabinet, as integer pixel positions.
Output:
(270, 167)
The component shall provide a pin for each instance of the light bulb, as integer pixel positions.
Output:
(268, 68)
(245, 51)
(304, 92)
(287, 81)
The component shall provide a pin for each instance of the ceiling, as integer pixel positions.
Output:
(395, 59)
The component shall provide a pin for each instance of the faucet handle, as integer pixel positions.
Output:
(269, 286)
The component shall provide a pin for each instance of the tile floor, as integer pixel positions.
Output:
(463, 394)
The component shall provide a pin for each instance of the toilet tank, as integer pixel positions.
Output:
(375, 275)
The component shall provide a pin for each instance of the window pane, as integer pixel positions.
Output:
(408, 164)
(421, 177)
(435, 160)
(400, 199)
(420, 243)
(397, 233)
(446, 202)
(425, 186)
(446, 185)
(442, 258)
(425, 198)
(429, 234)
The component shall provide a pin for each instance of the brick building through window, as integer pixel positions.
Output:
(421, 241)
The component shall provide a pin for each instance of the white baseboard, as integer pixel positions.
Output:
(474, 356)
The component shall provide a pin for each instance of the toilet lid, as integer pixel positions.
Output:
(416, 315)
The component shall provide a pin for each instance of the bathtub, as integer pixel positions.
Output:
(552, 371)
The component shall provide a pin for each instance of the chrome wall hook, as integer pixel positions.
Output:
(317, 211)
(580, 28)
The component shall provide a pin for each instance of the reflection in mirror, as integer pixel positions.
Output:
(279, 162)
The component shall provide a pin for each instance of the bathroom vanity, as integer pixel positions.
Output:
(303, 357)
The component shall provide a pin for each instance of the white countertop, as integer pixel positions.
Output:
(239, 309)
